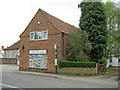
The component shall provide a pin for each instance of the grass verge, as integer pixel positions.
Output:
(111, 69)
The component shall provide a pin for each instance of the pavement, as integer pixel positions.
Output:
(109, 78)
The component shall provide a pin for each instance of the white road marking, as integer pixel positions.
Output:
(8, 85)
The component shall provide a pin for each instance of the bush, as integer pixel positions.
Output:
(104, 61)
(77, 64)
(79, 47)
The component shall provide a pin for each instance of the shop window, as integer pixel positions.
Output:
(41, 35)
(38, 59)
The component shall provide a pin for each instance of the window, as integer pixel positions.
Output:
(10, 54)
(31, 36)
(44, 34)
(7, 55)
(14, 55)
(36, 36)
(119, 60)
(41, 35)
(38, 59)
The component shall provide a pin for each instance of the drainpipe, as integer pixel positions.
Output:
(63, 46)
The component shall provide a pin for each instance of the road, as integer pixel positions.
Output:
(12, 79)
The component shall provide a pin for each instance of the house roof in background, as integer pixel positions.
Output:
(15, 46)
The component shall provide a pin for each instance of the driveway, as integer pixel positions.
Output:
(11, 78)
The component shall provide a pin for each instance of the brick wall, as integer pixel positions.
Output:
(8, 60)
(66, 43)
(54, 37)
(41, 45)
(81, 71)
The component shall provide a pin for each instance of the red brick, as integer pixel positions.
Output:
(54, 37)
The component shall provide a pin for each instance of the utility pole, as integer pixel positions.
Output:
(55, 47)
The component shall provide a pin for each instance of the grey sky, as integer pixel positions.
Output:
(16, 15)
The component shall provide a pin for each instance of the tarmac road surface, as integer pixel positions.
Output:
(11, 78)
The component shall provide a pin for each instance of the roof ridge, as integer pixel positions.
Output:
(56, 17)
(46, 15)
(29, 23)
(57, 23)
(12, 45)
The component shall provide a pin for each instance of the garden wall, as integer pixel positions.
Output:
(79, 71)
(8, 60)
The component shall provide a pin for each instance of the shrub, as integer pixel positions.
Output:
(79, 47)
(77, 64)
(104, 61)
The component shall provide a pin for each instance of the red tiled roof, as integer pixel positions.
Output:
(57, 23)
(15, 46)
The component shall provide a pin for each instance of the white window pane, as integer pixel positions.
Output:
(7, 55)
(10, 54)
(32, 36)
(36, 35)
(42, 32)
(39, 35)
(14, 55)
(45, 34)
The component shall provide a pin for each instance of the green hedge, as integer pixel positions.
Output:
(77, 64)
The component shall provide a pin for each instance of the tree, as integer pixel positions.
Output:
(79, 47)
(112, 28)
(93, 21)
(118, 27)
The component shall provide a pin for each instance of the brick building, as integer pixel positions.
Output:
(10, 53)
(38, 39)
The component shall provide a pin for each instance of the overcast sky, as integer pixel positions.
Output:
(15, 15)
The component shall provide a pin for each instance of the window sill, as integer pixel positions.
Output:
(37, 68)
(40, 40)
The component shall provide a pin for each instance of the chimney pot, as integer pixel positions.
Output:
(2, 47)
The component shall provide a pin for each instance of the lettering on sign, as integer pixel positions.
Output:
(37, 51)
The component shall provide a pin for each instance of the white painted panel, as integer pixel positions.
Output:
(37, 51)
(114, 61)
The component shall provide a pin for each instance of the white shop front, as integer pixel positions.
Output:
(38, 59)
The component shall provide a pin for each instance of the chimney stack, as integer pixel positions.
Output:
(2, 47)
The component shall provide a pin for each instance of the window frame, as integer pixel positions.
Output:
(31, 35)
(38, 34)
(7, 54)
(14, 56)
(10, 55)
(38, 59)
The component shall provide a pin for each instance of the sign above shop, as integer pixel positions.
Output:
(37, 51)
